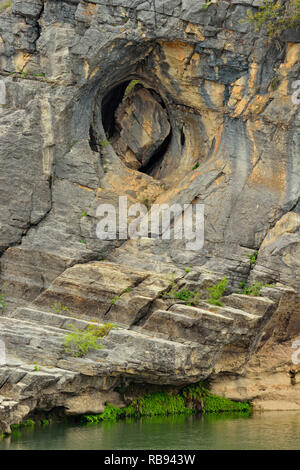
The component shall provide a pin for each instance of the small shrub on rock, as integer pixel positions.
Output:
(78, 343)
(275, 17)
(216, 292)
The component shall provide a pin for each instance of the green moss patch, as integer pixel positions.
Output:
(191, 400)
(29, 423)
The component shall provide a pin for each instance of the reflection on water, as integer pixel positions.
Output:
(270, 430)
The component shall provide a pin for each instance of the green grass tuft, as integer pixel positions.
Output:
(216, 292)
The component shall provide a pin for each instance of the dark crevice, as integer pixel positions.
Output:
(110, 104)
(296, 207)
(157, 158)
(93, 140)
(157, 97)
(182, 138)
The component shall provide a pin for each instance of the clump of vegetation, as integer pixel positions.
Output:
(253, 289)
(78, 343)
(275, 82)
(188, 296)
(199, 398)
(72, 145)
(253, 257)
(24, 73)
(58, 307)
(130, 88)
(45, 422)
(191, 400)
(157, 404)
(216, 292)
(111, 413)
(104, 143)
(29, 423)
(3, 303)
(114, 299)
(196, 166)
(101, 331)
(275, 17)
(206, 5)
(194, 396)
(216, 404)
(5, 5)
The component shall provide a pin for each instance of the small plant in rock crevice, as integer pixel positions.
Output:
(130, 88)
(101, 331)
(187, 296)
(78, 343)
(104, 143)
(253, 257)
(58, 307)
(216, 292)
(114, 300)
(253, 289)
(206, 5)
(24, 73)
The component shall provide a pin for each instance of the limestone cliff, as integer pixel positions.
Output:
(210, 120)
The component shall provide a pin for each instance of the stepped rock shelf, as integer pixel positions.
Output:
(162, 102)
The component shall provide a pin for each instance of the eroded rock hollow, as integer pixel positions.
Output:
(162, 102)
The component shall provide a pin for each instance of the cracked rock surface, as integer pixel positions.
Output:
(210, 121)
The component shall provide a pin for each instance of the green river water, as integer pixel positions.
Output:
(269, 430)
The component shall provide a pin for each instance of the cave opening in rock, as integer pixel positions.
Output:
(110, 103)
(136, 122)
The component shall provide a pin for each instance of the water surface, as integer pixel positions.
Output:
(269, 430)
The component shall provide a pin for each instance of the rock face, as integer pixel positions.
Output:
(211, 121)
(143, 127)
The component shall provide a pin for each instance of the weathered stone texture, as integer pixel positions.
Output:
(214, 99)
